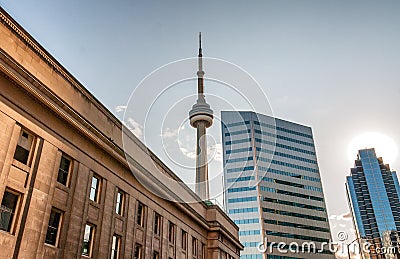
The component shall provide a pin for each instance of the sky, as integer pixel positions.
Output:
(330, 65)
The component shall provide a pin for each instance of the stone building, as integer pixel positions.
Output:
(66, 189)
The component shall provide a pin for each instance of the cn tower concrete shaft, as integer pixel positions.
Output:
(201, 162)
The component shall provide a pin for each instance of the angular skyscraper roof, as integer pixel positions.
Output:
(373, 195)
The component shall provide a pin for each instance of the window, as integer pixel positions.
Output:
(53, 227)
(8, 210)
(171, 232)
(94, 189)
(115, 247)
(119, 207)
(138, 252)
(184, 240)
(88, 240)
(140, 215)
(156, 255)
(194, 246)
(63, 171)
(23, 147)
(157, 224)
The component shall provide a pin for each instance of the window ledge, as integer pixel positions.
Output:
(21, 166)
(139, 226)
(62, 187)
(95, 204)
(51, 246)
(120, 217)
(6, 232)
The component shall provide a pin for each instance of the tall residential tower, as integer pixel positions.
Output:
(272, 185)
(373, 194)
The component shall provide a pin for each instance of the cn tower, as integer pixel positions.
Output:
(201, 117)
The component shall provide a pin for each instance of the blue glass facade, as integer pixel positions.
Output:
(272, 184)
(373, 196)
(396, 183)
(356, 210)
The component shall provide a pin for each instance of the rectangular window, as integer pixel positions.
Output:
(138, 252)
(63, 170)
(157, 224)
(140, 215)
(88, 237)
(194, 246)
(115, 247)
(53, 227)
(171, 233)
(119, 207)
(8, 210)
(94, 189)
(156, 255)
(24, 147)
(184, 240)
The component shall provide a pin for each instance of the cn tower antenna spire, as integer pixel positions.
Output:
(200, 50)
(200, 72)
(201, 117)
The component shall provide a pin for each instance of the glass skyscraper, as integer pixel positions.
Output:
(373, 194)
(272, 185)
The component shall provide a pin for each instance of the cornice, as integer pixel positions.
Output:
(17, 30)
(24, 36)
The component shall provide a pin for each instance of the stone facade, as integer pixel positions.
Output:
(47, 116)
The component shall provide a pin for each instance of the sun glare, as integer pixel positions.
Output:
(385, 147)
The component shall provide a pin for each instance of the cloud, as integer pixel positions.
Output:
(215, 151)
(170, 133)
(180, 139)
(189, 153)
(135, 127)
(120, 108)
(184, 139)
